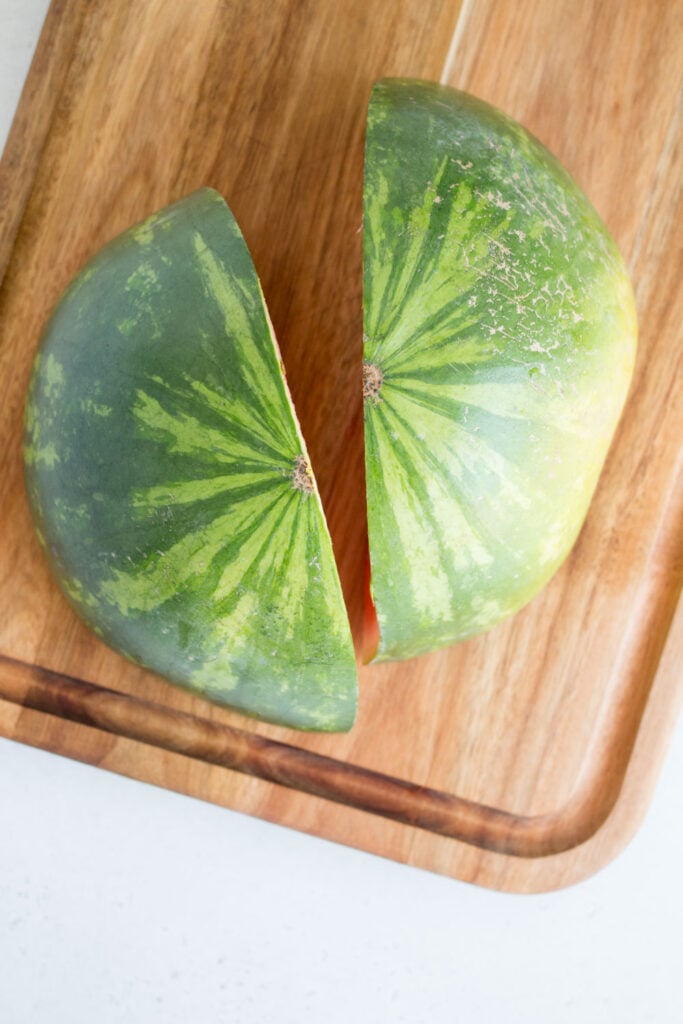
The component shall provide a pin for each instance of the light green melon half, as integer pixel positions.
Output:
(499, 340)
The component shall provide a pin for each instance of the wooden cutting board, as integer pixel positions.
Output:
(523, 760)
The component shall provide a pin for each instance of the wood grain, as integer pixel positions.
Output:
(521, 760)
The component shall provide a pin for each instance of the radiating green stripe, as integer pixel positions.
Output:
(235, 302)
(427, 587)
(164, 573)
(184, 492)
(450, 328)
(461, 411)
(256, 546)
(415, 262)
(436, 469)
(186, 435)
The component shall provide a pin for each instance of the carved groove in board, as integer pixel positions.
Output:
(419, 806)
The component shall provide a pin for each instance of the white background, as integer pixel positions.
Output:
(124, 903)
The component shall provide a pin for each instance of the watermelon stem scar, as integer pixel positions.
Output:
(372, 382)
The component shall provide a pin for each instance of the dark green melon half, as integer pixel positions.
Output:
(169, 480)
(499, 339)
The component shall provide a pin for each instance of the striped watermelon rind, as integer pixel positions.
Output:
(169, 480)
(499, 341)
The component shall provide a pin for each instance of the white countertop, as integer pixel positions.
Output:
(120, 902)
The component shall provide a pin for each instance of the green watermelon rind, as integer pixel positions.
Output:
(499, 318)
(169, 480)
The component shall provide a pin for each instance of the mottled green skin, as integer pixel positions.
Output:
(160, 451)
(500, 314)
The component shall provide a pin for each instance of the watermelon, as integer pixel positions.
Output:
(499, 340)
(169, 480)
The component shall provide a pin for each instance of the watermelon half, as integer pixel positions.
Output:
(170, 482)
(499, 340)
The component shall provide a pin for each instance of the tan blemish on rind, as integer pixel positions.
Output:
(372, 382)
(302, 478)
